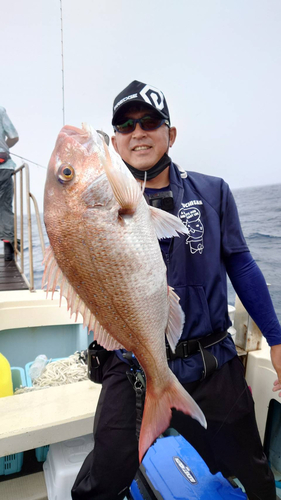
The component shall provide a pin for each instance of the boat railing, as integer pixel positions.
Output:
(19, 256)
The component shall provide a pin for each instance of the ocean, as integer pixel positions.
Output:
(259, 210)
(260, 215)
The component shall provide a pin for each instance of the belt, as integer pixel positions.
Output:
(187, 348)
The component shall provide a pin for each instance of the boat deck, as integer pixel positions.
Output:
(10, 277)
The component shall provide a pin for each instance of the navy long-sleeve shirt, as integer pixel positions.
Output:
(198, 264)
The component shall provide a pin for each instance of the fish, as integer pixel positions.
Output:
(105, 257)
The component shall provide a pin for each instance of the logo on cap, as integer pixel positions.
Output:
(127, 98)
(153, 96)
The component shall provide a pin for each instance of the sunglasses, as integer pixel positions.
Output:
(147, 123)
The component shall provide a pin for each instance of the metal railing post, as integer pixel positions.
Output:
(25, 166)
(38, 223)
(15, 216)
(21, 222)
(29, 228)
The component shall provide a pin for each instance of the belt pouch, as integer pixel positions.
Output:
(97, 357)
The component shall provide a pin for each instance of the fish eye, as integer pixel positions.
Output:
(65, 173)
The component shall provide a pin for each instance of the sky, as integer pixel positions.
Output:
(218, 63)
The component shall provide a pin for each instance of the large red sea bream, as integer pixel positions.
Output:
(105, 256)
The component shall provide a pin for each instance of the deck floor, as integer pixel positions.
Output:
(10, 277)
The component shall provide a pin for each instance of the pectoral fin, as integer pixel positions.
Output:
(166, 225)
(125, 188)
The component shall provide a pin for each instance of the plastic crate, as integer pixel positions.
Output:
(10, 464)
(18, 377)
(63, 464)
(42, 451)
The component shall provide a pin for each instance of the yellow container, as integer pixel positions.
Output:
(6, 383)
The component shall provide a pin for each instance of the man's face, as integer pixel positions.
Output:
(143, 149)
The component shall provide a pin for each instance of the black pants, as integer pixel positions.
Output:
(231, 443)
(6, 201)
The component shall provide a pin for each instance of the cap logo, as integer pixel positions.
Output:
(132, 96)
(153, 96)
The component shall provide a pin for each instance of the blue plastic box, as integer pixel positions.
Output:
(172, 470)
(41, 452)
(10, 464)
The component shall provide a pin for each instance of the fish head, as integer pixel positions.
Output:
(76, 180)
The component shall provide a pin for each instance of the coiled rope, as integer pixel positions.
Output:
(61, 372)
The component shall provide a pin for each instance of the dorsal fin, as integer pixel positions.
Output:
(54, 277)
(166, 225)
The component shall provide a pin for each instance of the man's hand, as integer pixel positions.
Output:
(276, 361)
(11, 142)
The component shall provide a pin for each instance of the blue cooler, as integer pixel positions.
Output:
(173, 470)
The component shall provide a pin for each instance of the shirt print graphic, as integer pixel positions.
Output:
(190, 216)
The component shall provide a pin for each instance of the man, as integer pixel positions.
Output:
(196, 269)
(8, 138)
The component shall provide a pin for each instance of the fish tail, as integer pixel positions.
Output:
(158, 412)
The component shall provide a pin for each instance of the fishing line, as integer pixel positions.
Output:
(26, 159)
(62, 65)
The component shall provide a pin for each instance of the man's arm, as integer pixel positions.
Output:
(249, 284)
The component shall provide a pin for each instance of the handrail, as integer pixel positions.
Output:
(25, 167)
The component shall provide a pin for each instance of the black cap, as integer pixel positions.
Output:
(142, 93)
